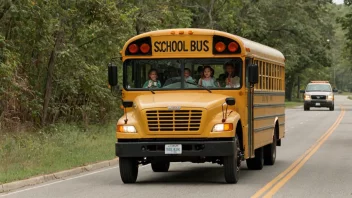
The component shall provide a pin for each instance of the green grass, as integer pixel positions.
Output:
(59, 147)
(344, 93)
(349, 97)
(294, 103)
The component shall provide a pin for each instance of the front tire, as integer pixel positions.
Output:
(160, 166)
(128, 170)
(270, 151)
(257, 162)
(232, 165)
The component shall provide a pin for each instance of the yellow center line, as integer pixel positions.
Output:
(296, 165)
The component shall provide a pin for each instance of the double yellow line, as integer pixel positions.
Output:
(274, 185)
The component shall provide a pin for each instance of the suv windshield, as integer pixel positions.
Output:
(166, 74)
(318, 88)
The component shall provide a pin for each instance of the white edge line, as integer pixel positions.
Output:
(61, 180)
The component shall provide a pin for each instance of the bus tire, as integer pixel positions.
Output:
(128, 170)
(270, 151)
(160, 166)
(257, 162)
(232, 165)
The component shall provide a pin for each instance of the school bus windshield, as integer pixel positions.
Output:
(166, 74)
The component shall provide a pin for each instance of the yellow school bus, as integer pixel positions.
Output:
(198, 95)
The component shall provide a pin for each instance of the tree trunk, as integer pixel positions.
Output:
(289, 88)
(48, 87)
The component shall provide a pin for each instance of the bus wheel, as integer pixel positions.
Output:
(160, 166)
(232, 164)
(257, 162)
(270, 151)
(128, 170)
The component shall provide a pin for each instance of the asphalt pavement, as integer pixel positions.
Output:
(314, 160)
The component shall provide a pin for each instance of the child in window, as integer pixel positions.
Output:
(207, 79)
(231, 79)
(152, 82)
(188, 77)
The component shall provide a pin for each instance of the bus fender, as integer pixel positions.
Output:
(274, 124)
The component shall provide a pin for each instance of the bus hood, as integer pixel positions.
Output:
(195, 100)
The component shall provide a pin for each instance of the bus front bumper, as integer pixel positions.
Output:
(189, 148)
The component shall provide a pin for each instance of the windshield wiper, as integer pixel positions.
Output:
(150, 89)
(200, 86)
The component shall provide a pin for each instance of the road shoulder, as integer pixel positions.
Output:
(7, 187)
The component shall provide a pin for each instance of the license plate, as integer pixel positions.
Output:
(173, 149)
(317, 104)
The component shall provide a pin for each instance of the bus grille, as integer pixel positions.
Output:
(177, 120)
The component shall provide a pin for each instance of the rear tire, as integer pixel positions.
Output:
(257, 162)
(270, 151)
(128, 170)
(160, 166)
(232, 165)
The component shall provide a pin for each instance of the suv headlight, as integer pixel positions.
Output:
(126, 129)
(330, 96)
(222, 127)
(307, 97)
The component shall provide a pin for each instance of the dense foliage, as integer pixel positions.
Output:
(54, 54)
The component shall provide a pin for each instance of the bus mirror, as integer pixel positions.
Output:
(127, 104)
(230, 101)
(302, 91)
(112, 74)
(253, 74)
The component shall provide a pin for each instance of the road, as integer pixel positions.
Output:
(324, 171)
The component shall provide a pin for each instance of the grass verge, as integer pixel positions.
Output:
(344, 93)
(349, 97)
(55, 148)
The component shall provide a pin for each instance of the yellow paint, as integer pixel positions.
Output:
(275, 184)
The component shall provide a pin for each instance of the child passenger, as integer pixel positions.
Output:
(152, 82)
(188, 77)
(207, 79)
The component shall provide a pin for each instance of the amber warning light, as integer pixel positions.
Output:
(144, 48)
(223, 45)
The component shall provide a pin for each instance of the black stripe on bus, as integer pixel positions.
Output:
(269, 93)
(263, 128)
(270, 105)
(269, 116)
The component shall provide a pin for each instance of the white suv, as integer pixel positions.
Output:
(319, 94)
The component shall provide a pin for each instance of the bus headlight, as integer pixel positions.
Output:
(222, 127)
(126, 129)
(306, 97)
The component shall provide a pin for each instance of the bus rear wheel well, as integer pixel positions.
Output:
(277, 134)
(239, 133)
